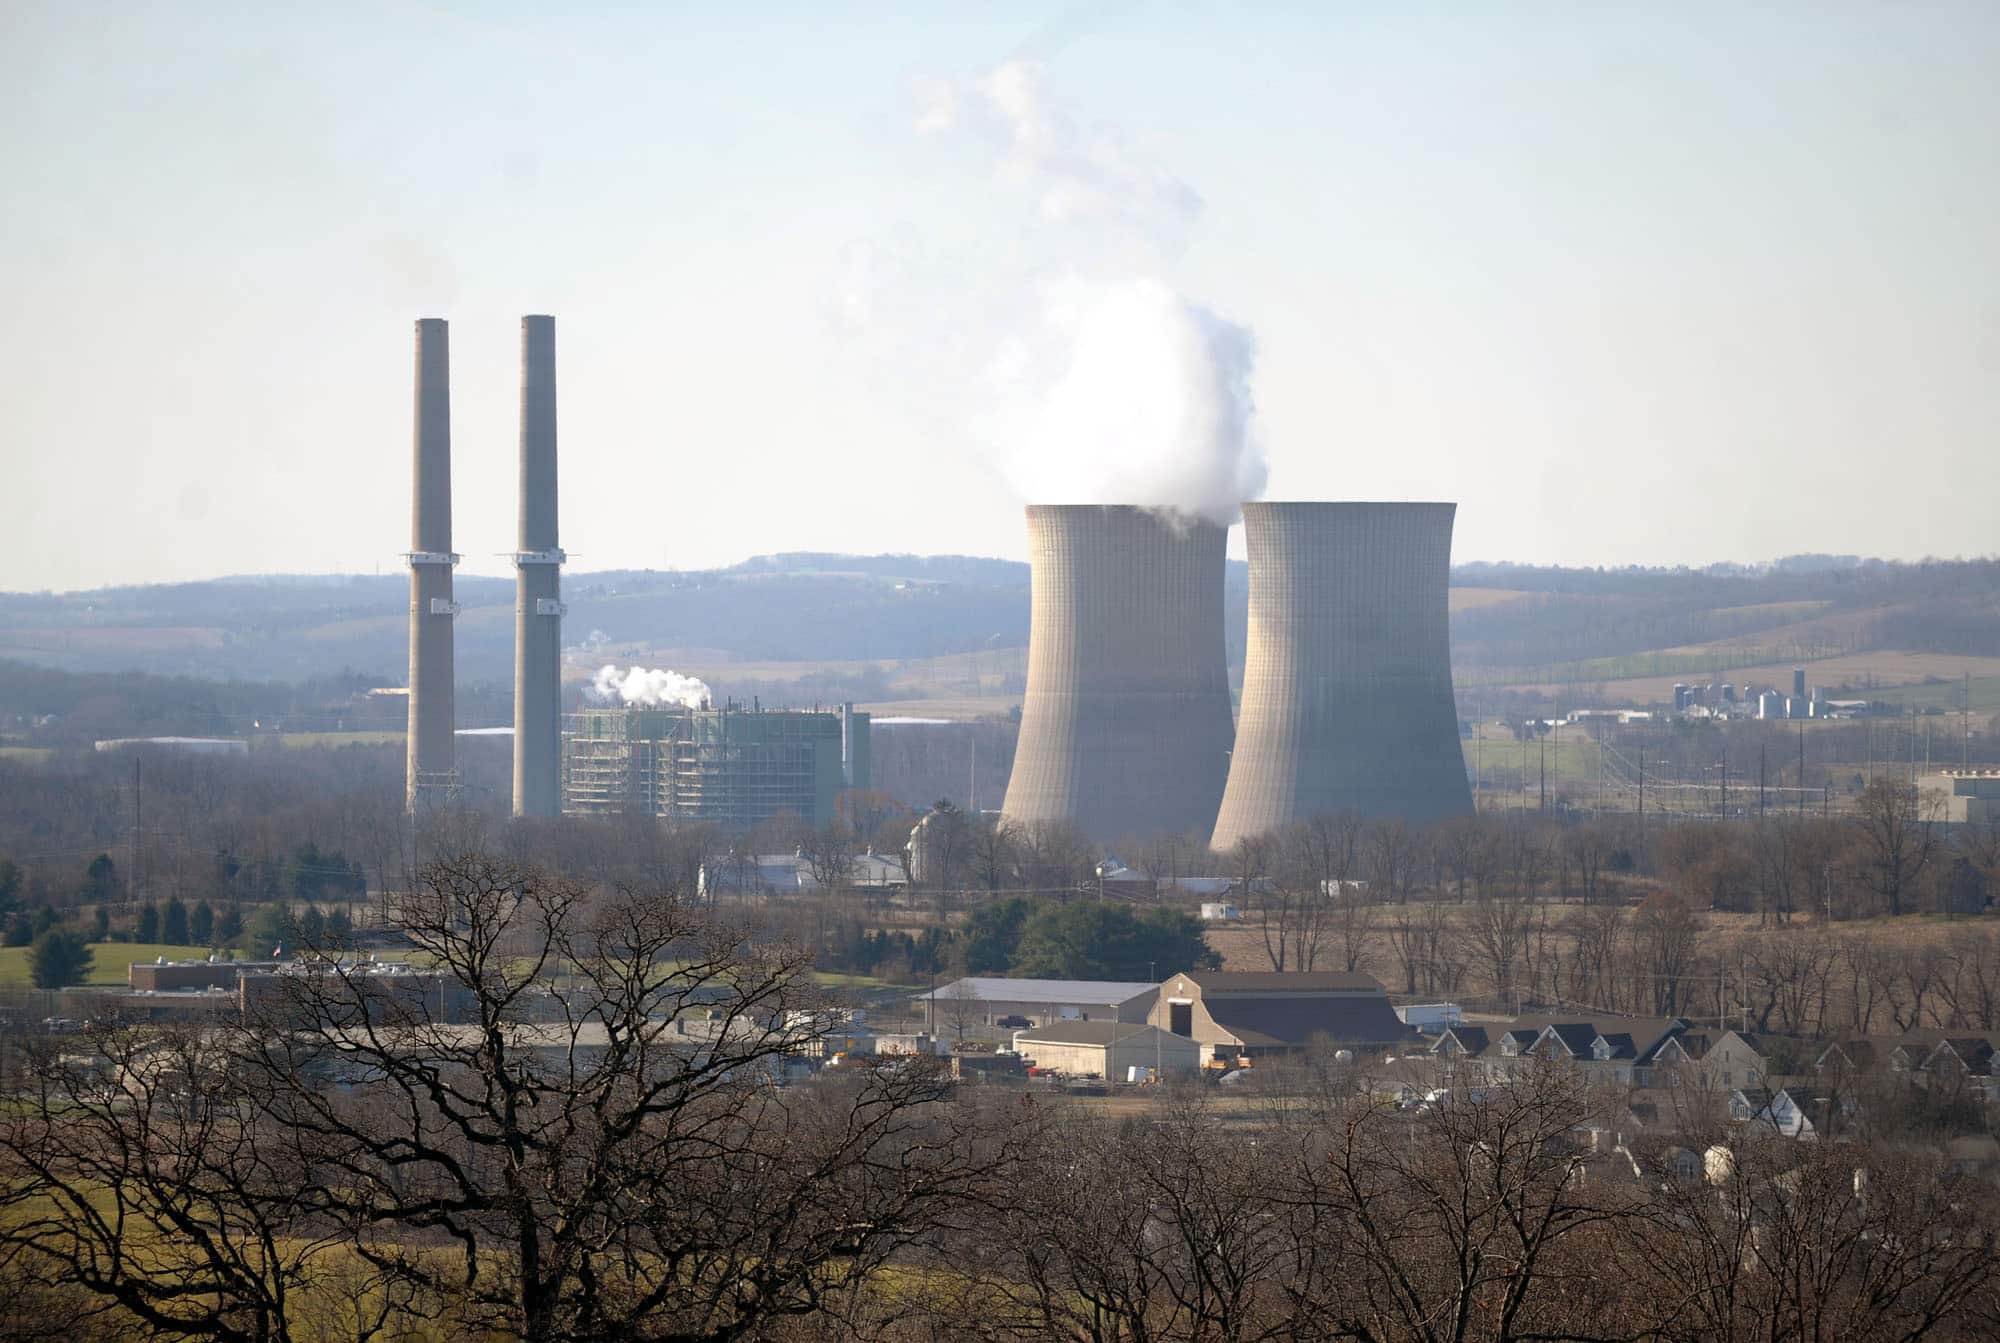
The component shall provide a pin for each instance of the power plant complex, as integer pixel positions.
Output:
(1126, 722)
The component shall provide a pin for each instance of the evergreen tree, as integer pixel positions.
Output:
(100, 925)
(174, 923)
(201, 925)
(20, 929)
(59, 957)
(100, 879)
(230, 926)
(149, 922)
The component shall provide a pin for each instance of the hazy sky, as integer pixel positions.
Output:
(1632, 283)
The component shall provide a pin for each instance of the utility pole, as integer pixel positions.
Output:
(1723, 806)
(1762, 747)
(138, 824)
(1642, 780)
(1802, 768)
(1544, 804)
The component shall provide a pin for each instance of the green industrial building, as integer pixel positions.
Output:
(732, 767)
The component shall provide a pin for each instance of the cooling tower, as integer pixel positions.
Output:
(432, 775)
(538, 608)
(1125, 725)
(1347, 702)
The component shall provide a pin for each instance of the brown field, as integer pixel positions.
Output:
(1845, 629)
(1471, 599)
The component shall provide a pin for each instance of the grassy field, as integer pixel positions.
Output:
(30, 755)
(340, 738)
(1494, 754)
(110, 964)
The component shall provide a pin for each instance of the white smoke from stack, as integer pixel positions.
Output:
(1115, 387)
(651, 687)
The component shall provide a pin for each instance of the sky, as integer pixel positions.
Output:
(1634, 284)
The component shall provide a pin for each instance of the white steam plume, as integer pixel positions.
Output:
(1132, 394)
(1115, 387)
(651, 686)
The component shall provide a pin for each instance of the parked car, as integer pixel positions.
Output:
(1016, 1022)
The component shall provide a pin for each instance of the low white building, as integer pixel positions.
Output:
(1107, 1049)
(1431, 1018)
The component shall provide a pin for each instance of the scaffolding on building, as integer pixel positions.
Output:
(731, 767)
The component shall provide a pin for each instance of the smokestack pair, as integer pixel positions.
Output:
(432, 776)
(1347, 698)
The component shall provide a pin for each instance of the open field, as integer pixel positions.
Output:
(112, 959)
(1473, 599)
(304, 739)
(112, 638)
(1880, 673)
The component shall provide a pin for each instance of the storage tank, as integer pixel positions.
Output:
(1125, 724)
(1347, 696)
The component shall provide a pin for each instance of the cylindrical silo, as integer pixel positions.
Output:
(538, 607)
(431, 777)
(1125, 725)
(1347, 699)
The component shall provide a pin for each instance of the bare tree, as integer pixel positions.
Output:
(584, 1142)
(994, 852)
(828, 851)
(1894, 829)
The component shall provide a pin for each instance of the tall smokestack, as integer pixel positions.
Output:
(1347, 698)
(538, 608)
(1125, 726)
(432, 777)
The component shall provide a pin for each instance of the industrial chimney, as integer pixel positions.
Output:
(1347, 698)
(1125, 726)
(432, 776)
(538, 608)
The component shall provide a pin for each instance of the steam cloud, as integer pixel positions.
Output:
(651, 686)
(1116, 388)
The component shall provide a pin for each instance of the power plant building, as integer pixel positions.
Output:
(731, 767)
(1125, 723)
(1347, 693)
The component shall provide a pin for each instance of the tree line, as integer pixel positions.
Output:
(615, 1136)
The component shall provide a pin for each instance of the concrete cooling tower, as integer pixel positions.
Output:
(1125, 726)
(1347, 701)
